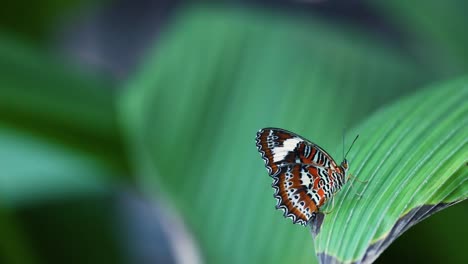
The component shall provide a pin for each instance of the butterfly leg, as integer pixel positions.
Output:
(351, 184)
(356, 179)
(333, 206)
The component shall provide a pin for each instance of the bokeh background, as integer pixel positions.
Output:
(127, 127)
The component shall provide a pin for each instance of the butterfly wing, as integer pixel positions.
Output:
(294, 192)
(279, 147)
(301, 171)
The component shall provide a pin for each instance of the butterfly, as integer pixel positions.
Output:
(304, 175)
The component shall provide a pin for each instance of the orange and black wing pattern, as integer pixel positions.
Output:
(278, 147)
(304, 175)
(295, 195)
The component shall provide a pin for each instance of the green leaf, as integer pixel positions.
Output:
(46, 96)
(34, 170)
(192, 112)
(48, 194)
(60, 153)
(413, 155)
(434, 29)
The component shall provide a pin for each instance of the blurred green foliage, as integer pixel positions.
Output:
(47, 96)
(435, 31)
(34, 21)
(183, 128)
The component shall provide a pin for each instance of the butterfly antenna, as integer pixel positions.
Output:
(351, 146)
(343, 141)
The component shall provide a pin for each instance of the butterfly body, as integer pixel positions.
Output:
(304, 175)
